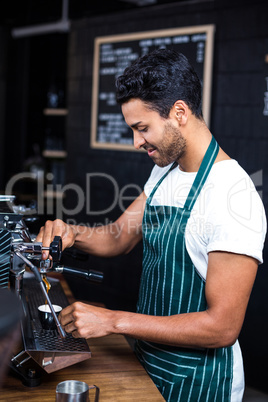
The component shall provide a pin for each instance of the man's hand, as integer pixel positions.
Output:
(56, 228)
(87, 321)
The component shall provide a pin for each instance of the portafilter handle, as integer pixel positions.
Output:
(39, 279)
(89, 274)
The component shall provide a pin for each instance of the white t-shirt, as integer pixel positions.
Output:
(228, 215)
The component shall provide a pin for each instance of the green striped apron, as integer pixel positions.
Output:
(170, 284)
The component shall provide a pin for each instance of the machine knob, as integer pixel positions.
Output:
(55, 249)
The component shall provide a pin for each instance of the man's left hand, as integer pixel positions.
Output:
(86, 321)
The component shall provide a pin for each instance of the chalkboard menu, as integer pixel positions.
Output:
(112, 54)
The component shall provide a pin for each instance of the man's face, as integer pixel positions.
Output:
(160, 137)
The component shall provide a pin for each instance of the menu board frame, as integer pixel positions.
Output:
(149, 35)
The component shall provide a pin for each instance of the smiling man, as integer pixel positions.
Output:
(200, 257)
(160, 138)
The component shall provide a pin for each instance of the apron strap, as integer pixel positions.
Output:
(202, 174)
(200, 178)
(149, 199)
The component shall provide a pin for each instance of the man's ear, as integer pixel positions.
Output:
(180, 112)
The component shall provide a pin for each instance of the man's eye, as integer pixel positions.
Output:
(142, 130)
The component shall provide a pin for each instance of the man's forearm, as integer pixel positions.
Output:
(191, 330)
(107, 241)
(116, 238)
(104, 241)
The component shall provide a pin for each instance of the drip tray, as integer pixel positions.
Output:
(47, 348)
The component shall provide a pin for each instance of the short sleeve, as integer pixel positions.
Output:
(237, 218)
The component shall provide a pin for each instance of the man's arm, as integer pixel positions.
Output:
(110, 240)
(229, 283)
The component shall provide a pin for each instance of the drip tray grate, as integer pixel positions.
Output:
(34, 336)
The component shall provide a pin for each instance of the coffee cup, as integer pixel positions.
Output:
(75, 391)
(46, 317)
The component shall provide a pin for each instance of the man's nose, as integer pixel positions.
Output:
(139, 141)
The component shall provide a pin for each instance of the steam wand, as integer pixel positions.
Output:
(39, 279)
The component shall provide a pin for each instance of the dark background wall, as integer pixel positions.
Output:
(237, 122)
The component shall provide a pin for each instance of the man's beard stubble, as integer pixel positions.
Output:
(172, 147)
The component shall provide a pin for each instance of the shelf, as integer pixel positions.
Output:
(55, 112)
(53, 194)
(51, 153)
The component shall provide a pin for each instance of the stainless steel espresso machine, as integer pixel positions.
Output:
(23, 271)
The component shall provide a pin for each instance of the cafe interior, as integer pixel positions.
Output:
(66, 153)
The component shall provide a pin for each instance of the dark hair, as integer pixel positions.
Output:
(160, 78)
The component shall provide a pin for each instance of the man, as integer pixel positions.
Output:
(202, 240)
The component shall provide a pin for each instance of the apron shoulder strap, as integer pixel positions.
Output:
(200, 178)
(202, 174)
(160, 181)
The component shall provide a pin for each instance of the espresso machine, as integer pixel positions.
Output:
(23, 271)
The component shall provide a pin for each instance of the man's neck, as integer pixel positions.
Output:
(198, 138)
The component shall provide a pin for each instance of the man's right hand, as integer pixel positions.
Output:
(56, 228)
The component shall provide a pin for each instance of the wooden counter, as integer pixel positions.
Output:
(113, 367)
